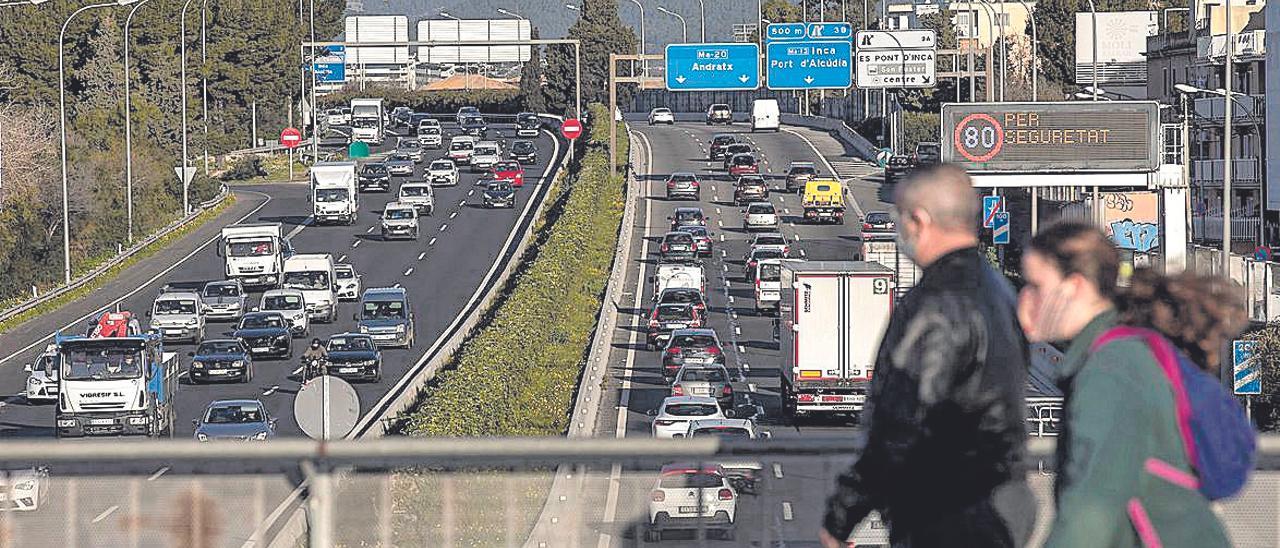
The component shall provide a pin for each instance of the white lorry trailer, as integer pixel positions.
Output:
(334, 198)
(367, 120)
(832, 317)
(254, 253)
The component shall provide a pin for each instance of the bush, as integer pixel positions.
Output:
(516, 374)
(919, 127)
(248, 167)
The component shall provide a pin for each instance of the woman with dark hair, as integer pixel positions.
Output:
(1120, 441)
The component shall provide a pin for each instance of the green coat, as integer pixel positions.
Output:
(1120, 414)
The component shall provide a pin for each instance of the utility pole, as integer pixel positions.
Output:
(1228, 74)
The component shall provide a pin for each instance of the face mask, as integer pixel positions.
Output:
(906, 246)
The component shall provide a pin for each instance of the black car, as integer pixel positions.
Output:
(475, 127)
(898, 167)
(265, 334)
(524, 152)
(400, 116)
(416, 119)
(354, 356)
(375, 176)
(733, 150)
(878, 224)
(221, 359)
(928, 154)
(683, 295)
(527, 124)
(687, 216)
(499, 194)
(677, 246)
(719, 142)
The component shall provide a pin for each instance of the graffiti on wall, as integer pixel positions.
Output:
(1132, 220)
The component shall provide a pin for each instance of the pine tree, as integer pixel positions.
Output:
(600, 33)
(531, 93)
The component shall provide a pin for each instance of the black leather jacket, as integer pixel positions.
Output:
(945, 420)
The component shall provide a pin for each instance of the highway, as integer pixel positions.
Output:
(442, 270)
(793, 491)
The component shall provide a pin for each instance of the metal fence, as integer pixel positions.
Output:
(454, 492)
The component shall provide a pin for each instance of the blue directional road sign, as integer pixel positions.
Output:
(713, 67)
(990, 206)
(785, 31)
(1000, 229)
(1248, 377)
(331, 65)
(822, 59)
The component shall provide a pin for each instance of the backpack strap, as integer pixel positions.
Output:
(1167, 357)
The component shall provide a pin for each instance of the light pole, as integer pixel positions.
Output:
(702, 20)
(1093, 10)
(1229, 98)
(315, 123)
(684, 31)
(62, 122)
(128, 127)
(511, 14)
(644, 63)
(457, 50)
(182, 47)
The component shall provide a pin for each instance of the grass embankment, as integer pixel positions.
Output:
(113, 272)
(516, 374)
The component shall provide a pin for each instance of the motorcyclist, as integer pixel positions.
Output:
(316, 351)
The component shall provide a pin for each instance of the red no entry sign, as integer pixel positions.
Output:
(571, 129)
(290, 137)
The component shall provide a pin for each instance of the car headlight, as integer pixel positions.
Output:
(237, 363)
(364, 329)
(193, 322)
(260, 436)
(284, 337)
(368, 363)
(200, 436)
(33, 381)
(25, 486)
(400, 328)
(197, 365)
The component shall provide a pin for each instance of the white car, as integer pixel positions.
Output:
(760, 215)
(430, 136)
(348, 281)
(24, 489)
(743, 473)
(461, 148)
(42, 383)
(292, 305)
(771, 240)
(442, 173)
(661, 116)
(419, 195)
(671, 420)
(485, 155)
(334, 117)
(399, 221)
(692, 496)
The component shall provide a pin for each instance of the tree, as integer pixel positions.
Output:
(600, 32)
(531, 79)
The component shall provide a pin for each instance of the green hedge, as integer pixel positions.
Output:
(516, 375)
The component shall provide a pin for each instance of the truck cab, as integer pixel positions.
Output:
(368, 123)
(178, 316)
(386, 315)
(115, 380)
(312, 273)
(334, 197)
(254, 253)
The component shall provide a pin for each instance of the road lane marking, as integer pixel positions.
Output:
(722, 239)
(422, 255)
(156, 475)
(276, 387)
(454, 214)
(777, 470)
(368, 231)
(355, 243)
(432, 242)
(742, 349)
(737, 331)
(802, 254)
(751, 387)
(856, 208)
(444, 226)
(730, 299)
(787, 513)
(462, 203)
(106, 513)
(310, 220)
(470, 192)
(409, 271)
(746, 366)
(342, 258)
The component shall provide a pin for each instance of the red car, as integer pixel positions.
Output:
(744, 164)
(509, 171)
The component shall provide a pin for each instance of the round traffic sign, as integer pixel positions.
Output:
(571, 129)
(978, 137)
(326, 407)
(883, 155)
(290, 137)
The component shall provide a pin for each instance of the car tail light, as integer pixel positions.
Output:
(664, 422)
(726, 494)
(695, 184)
(658, 496)
(677, 390)
(665, 247)
(805, 398)
(674, 351)
(728, 390)
(786, 250)
(653, 323)
(866, 226)
(671, 184)
(713, 350)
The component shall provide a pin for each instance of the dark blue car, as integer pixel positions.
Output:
(265, 334)
(354, 356)
(221, 359)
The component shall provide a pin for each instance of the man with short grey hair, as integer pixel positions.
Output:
(944, 423)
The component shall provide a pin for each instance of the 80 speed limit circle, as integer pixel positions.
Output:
(978, 137)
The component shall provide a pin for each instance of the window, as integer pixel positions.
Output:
(964, 24)
(1002, 21)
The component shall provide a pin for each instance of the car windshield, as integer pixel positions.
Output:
(522, 147)
(690, 480)
(680, 296)
(263, 321)
(662, 111)
(704, 375)
(429, 130)
(250, 249)
(760, 208)
(306, 280)
(695, 231)
(398, 214)
(462, 145)
(344, 273)
(693, 341)
(692, 409)
(414, 190)
(219, 347)
(683, 177)
(401, 157)
(174, 306)
(486, 151)
(878, 218)
(472, 123)
(688, 215)
(803, 170)
(770, 272)
(383, 310)
(719, 108)
(743, 160)
(102, 361)
(766, 254)
(679, 238)
(507, 166)
(725, 432)
(738, 148)
(374, 169)
(365, 123)
(349, 344)
(221, 290)
(674, 312)
(770, 240)
(442, 166)
(499, 187)
(282, 302)
(325, 195)
(236, 413)
(528, 118)
(409, 144)
(724, 140)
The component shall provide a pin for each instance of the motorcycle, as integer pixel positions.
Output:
(314, 368)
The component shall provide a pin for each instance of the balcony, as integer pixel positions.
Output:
(1245, 109)
(1249, 44)
(1245, 173)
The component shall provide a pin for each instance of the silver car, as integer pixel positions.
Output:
(178, 315)
(400, 164)
(710, 380)
(412, 147)
(399, 221)
(292, 304)
(224, 300)
(419, 195)
(235, 420)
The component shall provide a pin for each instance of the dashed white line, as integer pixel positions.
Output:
(444, 226)
(717, 209)
(731, 299)
(802, 254)
(786, 210)
(723, 253)
(368, 231)
(158, 473)
(746, 366)
(470, 192)
(725, 267)
(462, 203)
(720, 222)
(342, 258)
(454, 214)
(355, 243)
(796, 237)
(409, 271)
(737, 331)
(432, 242)
(751, 387)
(422, 255)
(106, 513)
(787, 513)
(722, 239)
(742, 348)
(777, 470)
(273, 388)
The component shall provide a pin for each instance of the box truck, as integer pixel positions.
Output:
(254, 253)
(832, 317)
(334, 198)
(367, 120)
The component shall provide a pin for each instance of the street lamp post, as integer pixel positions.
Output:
(684, 30)
(62, 119)
(182, 47)
(644, 63)
(702, 20)
(128, 127)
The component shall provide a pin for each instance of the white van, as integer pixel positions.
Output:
(765, 115)
(313, 275)
(679, 275)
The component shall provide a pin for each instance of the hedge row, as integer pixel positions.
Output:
(516, 375)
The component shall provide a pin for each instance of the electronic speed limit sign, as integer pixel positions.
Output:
(978, 137)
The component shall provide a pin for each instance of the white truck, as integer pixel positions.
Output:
(313, 274)
(367, 120)
(254, 253)
(885, 252)
(334, 198)
(679, 275)
(831, 319)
